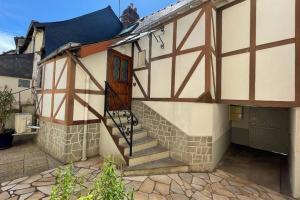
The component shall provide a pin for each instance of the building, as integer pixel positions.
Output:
(170, 81)
(15, 73)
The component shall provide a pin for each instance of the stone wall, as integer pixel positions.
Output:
(65, 142)
(195, 151)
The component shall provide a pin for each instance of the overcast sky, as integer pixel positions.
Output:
(16, 15)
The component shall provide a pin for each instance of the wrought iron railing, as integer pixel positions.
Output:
(115, 108)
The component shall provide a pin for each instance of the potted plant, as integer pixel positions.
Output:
(6, 100)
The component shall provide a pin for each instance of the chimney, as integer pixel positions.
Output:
(129, 16)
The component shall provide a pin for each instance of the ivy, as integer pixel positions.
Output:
(6, 100)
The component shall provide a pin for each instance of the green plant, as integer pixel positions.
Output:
(6, 100)
(66, 183)
(109, 185)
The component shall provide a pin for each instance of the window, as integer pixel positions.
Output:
(120, 69)
(116, 70)
(142, 58)
(24, 83)
(124, 71)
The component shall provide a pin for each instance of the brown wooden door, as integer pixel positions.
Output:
(120, 79)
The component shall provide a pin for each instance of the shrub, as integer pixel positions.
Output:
(6, 100)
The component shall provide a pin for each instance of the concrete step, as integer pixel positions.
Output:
(148, 155)
(137, 134)
(109, 120)
(140, 144)
(115, 130)
(162, 166)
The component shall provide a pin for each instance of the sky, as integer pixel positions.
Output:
(16, 15)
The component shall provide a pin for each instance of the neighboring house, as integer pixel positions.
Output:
(180, 71)
(15, 73)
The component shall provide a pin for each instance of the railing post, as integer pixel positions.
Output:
(131, 133)
(105, 99)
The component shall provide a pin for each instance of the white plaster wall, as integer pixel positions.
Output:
(275, 74)
(196, 85)
(294, 156)
(161, 71)
(57, 100)
(236, 27)
(275, 20)
(142, 75)
(47, 105)
(48, 78)
(12, 83)
(107, 146)
(124, 49)
(167, 38)
(213, 78)
(58, 69)
(97, 65)
(197, 37)
(195, 119)
(235, 77)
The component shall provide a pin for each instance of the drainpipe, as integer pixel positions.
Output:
(86, 112)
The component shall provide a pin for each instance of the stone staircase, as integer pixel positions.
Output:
(148, 156)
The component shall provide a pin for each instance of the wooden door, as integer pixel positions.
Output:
(120, 79)
(269, 129)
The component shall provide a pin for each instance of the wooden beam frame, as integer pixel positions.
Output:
(297, 62)
(252, 50)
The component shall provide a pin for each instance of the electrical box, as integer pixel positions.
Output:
(22, 120)
(236, 113)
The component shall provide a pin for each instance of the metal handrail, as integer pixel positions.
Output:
(112, 98)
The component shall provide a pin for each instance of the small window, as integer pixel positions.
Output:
(116, 70)
(124, 71)
(24, 83)
(142, 58)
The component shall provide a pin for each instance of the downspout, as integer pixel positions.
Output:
(86, 112)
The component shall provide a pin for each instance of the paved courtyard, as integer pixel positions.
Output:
(196, 186)
(24, 159)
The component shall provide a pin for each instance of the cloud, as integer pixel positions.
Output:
(6, 42)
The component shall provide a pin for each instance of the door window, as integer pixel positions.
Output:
(124, 71)
(116, 67)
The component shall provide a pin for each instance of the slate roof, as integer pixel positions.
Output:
(16, 65)
(90, 28)
(157, 18)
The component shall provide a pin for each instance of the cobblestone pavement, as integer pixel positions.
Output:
(196, 186)
(24, 159)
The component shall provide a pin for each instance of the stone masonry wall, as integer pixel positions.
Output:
(195, 151)
(65, 142)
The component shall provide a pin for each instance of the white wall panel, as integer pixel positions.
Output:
(161, 71)
(48, 75)
(167, 38)
(196, 85)
(236, 27)
(57, 100)
(197, 36)
(275, 74)
(47, 105)
(235, 77)
(183, 65)
(143, 78)
(275, 20)
(124, 49)
(183, 25)
(58, 69)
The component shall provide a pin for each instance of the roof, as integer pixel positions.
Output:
(163, 15)
(90, 28)
(16, 65)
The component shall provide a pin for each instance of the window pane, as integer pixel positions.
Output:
(124, 71)
(24, 83)
(116, 70)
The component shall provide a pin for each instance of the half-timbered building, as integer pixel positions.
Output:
(171, 92)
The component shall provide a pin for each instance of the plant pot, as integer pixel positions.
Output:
(6, 138)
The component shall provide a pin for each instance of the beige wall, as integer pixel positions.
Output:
(12, 83)
(294, 156)
(97, 65)
(275, 67)
(46, 103)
